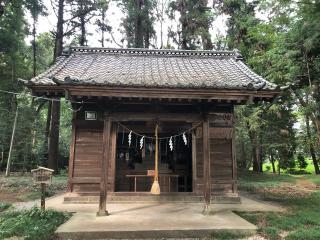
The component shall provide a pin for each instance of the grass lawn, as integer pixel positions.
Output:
(300, 194)
(267, 167)
(33, 224)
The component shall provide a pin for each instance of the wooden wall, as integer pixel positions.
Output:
(221, 155)
(85, 168)
(87, 156)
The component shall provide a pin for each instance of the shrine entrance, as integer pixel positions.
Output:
(135, 156)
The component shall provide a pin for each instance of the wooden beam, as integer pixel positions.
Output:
(85, 180)
(72, 152)
(206, 164)
(186, 117)
(104, 166)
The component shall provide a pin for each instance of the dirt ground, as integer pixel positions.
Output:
(11, 197)
(21, 188)
(301, 188)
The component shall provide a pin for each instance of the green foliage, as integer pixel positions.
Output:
(138, 22)
(4, 206)
(302, 218)
(194, 23)
(228, 235)
(306, 234)
(31, 224)
(302, 161)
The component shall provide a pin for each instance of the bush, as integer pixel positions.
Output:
(33, 224)
(302, 163)
(4, 206)
(297, 172)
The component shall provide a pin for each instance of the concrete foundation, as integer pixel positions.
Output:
(155, 219)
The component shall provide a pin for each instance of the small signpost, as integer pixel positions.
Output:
(43, 176)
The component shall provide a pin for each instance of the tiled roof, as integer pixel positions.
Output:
(152, 68)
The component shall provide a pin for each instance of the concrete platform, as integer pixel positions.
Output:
(155, 220)
(152, 221)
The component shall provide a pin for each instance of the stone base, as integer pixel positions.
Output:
(121, 197)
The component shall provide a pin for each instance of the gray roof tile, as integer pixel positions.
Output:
(152, 68)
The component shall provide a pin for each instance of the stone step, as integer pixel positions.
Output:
(155, 234)
(127, 198)
(154, 221)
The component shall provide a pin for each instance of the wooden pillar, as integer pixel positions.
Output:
(194, 161)
(206, 164)
(53, 151)
(43, 196)
(234, 161)
(72, 152)
(104, 165)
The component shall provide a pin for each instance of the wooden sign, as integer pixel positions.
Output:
(90, 115)
(43, 176)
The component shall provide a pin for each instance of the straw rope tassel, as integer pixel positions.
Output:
(155, 189)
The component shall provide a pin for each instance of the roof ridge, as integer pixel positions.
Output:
(143, 51)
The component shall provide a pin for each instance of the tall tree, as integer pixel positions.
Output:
(53, 114)
(102, 7)
(194, 23)
(13, 65)
(81, 14)
(59, 33)
(138, 22)
(36, 8)
(269, 126)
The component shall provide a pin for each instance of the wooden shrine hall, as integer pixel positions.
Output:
(120, 96)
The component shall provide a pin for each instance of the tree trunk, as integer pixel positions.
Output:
(54, 136)
(82, 25)
(243, 155)
(311, 147)
(161, 24)
(305, 103)
(59, 33)
(46, 134)
(206, 36)
(2, 157)
(102, 28)
(11, 144)
(254, 151)
(272, 163)
(184, 25)
(53, 117)
(34, 47)
(138, 36)
(147, 39)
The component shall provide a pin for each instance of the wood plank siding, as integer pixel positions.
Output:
(221, 155)
(86, 153)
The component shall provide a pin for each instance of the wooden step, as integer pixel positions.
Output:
(147, 197)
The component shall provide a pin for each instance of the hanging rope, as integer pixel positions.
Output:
(37, 97)
(47, 99)
(160, 138)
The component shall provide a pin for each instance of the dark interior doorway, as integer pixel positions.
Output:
(134, 166)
